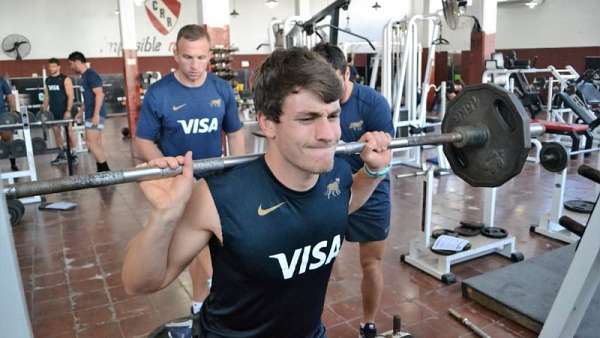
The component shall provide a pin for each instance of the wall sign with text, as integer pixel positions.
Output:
(163, 14)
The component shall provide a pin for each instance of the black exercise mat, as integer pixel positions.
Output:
(527, 290)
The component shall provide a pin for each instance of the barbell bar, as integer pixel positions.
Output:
(40, 124)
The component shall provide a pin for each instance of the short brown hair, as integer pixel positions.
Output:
(333, 54)
(192, 33)
(285, 71)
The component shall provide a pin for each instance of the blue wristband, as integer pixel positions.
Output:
(376, 174)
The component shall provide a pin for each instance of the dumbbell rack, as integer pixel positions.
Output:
(548, 225)
(221, 62)
(421, 257)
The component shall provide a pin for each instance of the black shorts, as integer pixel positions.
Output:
(57, 114)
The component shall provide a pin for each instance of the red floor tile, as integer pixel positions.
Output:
(133, 307)
(51, 292)
(51, 308)
(343, 330)
(95, 315)
(86, 272)
(87, 285)
(111, 329)
(89, 299)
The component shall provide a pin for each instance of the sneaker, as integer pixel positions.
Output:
(60, 159)
(181, 329)
(367, 330)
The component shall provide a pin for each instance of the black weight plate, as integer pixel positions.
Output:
(494, 232)
(584, 207)
(15, 210)
(438, 232)
(467, 232)
(450, 252)
(505, 152)
(21, 206)
(14, 216)
(42, 116)
(4, 149)
(39, 145)
(554, 157)
(18, 148)
(472, 225)
(30, 116)
(9, 118)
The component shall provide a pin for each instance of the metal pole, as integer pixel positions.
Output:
(468, 324)
(69, 157)
(427, 205)
(13, 307)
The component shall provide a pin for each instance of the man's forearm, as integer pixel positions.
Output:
(69, 103)
(12, 102)
(237, 144)
(146, 150)
(362, 188)
(146, 261)
(98, 104)
(46, 100)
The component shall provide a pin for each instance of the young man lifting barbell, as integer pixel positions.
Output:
(274, 225)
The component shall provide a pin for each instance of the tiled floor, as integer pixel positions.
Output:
(71, 261)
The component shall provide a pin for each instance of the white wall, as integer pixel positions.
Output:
(555, 23)
(56, 28)
(249, 29)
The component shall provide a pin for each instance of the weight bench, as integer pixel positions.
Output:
(571, 130)
(587, 116)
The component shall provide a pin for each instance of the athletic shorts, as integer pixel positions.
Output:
(57, 115)
(89, 125)
(371, 222)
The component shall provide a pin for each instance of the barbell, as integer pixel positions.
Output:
(9, 123)
(486, 138)
(554, 156)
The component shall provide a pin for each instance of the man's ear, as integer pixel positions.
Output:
(347, 74)
(267, 126)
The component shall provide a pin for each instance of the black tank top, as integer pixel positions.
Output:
(57, 96)
(270, 274)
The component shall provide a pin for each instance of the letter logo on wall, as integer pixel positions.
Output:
(163, 14)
